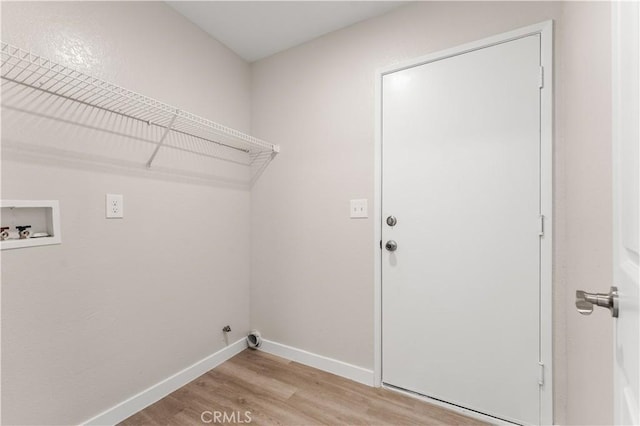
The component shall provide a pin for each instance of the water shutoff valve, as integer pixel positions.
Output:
(24, 231)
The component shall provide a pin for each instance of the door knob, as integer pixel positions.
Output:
(391, 245)
(585, 301)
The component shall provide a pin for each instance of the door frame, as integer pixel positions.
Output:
(545, 29)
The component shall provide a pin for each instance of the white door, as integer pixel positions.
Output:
(626, 137)
(461, 176)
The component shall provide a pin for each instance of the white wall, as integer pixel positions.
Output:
(92, 321)
(312, 267)
(121, 304)
(584, 193)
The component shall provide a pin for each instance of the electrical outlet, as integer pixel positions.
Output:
(115, 206)
(359, 209)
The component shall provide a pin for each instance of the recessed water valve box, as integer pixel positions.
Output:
(29, 223)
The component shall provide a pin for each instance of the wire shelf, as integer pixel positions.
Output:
(22, 67)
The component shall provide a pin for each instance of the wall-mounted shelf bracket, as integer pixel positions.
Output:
(161, 141)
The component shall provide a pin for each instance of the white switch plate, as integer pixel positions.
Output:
(114, 206)
(359, 208)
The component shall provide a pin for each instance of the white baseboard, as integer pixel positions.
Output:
(330, 365)
(129, 407)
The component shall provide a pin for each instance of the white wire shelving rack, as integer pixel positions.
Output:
(36, 72)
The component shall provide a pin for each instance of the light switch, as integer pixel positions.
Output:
(359, 209)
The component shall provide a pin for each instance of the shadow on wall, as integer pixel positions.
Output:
(74, 121)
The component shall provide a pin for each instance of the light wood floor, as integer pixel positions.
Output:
(277, 391)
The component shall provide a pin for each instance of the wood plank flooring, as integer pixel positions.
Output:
(261, 389)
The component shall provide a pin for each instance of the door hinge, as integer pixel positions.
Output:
(541, 377)
(541, 226)
(541, 78)
(380, 244)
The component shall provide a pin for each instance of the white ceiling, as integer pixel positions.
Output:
(257, 29)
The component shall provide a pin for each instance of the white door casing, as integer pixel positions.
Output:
(474, 65)
(626, 138)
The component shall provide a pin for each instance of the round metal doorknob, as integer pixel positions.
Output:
(391, 245)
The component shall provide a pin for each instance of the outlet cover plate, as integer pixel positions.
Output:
(114, 206)
(359, 209)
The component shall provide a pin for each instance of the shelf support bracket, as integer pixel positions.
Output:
(161, 141)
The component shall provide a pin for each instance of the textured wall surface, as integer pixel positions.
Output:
(121, 304)
(312, 266)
